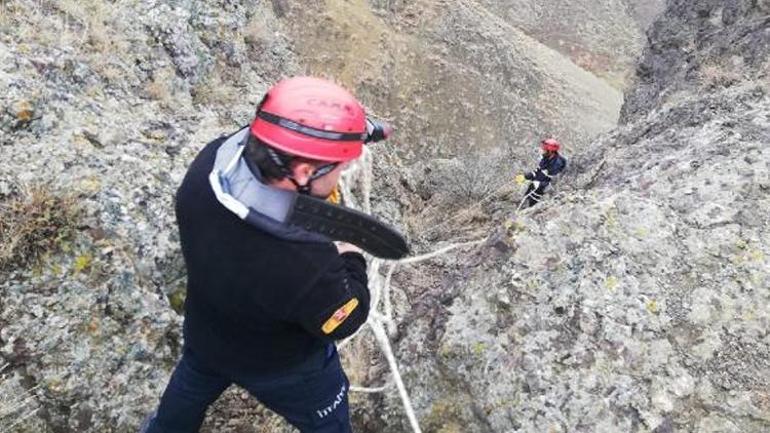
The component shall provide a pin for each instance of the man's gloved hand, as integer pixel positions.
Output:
(520, 179)
(335, 197)
(377, 130)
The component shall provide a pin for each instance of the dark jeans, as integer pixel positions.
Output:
(534, 195)
(313, 397)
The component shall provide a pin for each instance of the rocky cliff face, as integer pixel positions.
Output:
(647, 310)
(637, 303)
(637, 298)
(717, 44)
(103, 105)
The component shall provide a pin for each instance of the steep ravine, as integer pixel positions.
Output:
(636, 299)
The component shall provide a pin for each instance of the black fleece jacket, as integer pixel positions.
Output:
(256, 303)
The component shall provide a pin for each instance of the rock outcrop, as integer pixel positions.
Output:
(716, 44)
(103, 105)
(636, 299)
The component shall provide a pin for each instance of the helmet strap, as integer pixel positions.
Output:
(302, 189)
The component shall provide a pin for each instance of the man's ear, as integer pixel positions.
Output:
(301, 171)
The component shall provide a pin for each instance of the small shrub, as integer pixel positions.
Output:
(718, 75)
(461, 191)
(34, 223)
(473, 177)
(159, 88)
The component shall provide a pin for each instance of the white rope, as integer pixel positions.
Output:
(366, 179)
(382, 323)
(376, 321)
(374, 281)
(441, 251)
(382, 339)
(523, 200)
(388, 307)
(367, 390)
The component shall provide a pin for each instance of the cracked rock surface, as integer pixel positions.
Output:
(637, 299)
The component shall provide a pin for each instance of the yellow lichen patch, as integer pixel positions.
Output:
(532, 285)
(176, 300)
(65, 246)
(748, 256)
(54, 384)
(517, 226)
(89, 186)
(610, 218)
(756, 255)
(652, 306)
(83, 262)
(479, 348)
(611, 283)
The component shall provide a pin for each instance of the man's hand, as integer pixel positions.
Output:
(520, 179)
(344, 247)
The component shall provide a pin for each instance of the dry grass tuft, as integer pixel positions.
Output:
(160, 87)
(464, 188)
(719, 75)
(214, 90)
(34, 223)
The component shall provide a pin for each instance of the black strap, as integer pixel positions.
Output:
(309, 131)
(349, 225)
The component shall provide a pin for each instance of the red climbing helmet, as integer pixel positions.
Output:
(551, 145)
(313, 118)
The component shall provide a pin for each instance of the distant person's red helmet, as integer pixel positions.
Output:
(549, 144)
(312, 118)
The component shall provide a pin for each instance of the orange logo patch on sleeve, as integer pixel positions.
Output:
(339, 316)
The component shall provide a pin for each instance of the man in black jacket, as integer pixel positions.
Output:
(265, 302)
(550, 165)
